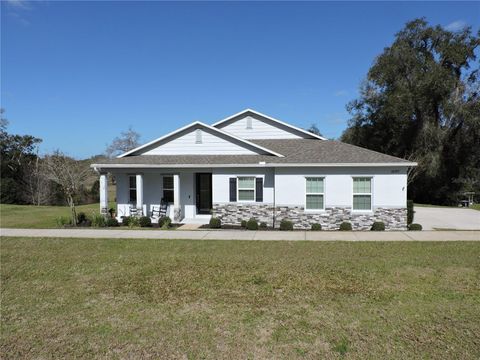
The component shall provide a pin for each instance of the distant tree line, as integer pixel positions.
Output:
(420, 101)
(28, 178)
(53, 179)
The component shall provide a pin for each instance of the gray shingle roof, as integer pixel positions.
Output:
(295, 151)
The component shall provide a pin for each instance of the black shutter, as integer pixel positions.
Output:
(259, 189)
(233, 189)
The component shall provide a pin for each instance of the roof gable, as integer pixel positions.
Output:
(251, 124)
(199, 139)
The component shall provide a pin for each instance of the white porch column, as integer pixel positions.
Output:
(177, 209)
(103, 193)
(139, 181)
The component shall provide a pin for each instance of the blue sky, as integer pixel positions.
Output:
(76, 74)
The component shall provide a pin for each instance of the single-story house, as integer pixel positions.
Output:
(252, 165)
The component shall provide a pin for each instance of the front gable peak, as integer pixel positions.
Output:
(198, 138)
(251, 124)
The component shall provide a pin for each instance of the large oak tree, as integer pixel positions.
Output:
(421, 100)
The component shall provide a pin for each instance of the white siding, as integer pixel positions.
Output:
(282, 186)
(221, 183)
(260, 129)
(389, 189)
(211, 144)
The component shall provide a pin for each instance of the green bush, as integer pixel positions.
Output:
(252, 224)
(316, 227)
(164, 222)
(262, 226)
(415, 227)
(145, 221)
(125, 220)
(133, 221)
(111, 222)
(62, 221)
(98, 220)
(215, 223)
(345, 226)
(378, 226)
(410, 211)
(286, 225)
(81, 218)
(243, 224)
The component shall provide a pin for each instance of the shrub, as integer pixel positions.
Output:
(111, 222)
(252, 224)
(98, 220)
(286, 225)
(164, 222)
(133, 221)
(378, 226)
(145, 221)
(81, 218)
(316, 227)
(415, 227)
(345, 226)
(263, 226)
(410, 211)
(62, 221)
(215, 223)
(125, 220)
(243, 224)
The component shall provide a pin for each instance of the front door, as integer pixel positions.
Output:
(204, 193)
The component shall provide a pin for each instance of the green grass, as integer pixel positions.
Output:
(38, 217)
(93, 298)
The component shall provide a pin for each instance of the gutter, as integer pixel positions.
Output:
(96, 167)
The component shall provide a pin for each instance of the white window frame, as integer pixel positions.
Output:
(254, 189)
(322, 193)
(130, 189)
(370, 193)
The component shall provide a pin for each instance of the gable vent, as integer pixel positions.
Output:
(249, 122)
(198, 136)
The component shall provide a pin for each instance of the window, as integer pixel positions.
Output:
(168, 188)
(246, 188)
(132, 189)
(314, 193)
(362, 193)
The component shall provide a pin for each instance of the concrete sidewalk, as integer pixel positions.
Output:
(119, 233)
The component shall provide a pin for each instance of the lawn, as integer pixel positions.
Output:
(86, 298)
(38, 217)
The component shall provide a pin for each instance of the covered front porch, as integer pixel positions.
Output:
(186, 195)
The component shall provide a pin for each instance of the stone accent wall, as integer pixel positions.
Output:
(330, 219)
(234, 213)
(177, 214)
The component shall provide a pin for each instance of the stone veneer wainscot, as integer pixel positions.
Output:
(330, 219)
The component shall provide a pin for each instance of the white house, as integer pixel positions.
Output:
(252, 165)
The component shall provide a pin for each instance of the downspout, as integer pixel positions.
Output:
(274, 194)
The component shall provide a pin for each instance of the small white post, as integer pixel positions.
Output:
(177, 210)
(140, 193)
(103, 193)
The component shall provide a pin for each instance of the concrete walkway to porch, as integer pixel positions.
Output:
(119, 233)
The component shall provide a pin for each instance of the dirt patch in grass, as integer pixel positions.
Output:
(87, 298)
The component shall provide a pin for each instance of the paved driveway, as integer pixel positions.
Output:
(447, 218)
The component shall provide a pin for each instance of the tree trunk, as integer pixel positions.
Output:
(71, 203)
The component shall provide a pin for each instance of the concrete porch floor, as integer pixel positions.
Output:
(206, 234)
